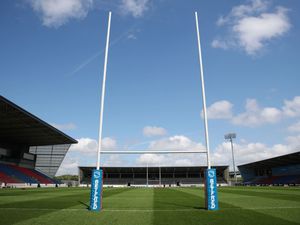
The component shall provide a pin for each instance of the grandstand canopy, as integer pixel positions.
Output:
(21, 127)
(289, 159)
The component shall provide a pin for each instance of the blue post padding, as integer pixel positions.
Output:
(96, 190)
(211, 192)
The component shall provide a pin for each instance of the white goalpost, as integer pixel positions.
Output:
(134, 152)
(97, 174)
(103, 94)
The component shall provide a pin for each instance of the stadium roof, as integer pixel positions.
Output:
(21, 127)
(289, 159)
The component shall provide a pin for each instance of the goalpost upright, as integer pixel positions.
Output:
(203, 93)
(97, 174)
(103, 93)
(211, 197)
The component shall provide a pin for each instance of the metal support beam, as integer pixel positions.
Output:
(159, 176)
(147, 176)
(233, 162)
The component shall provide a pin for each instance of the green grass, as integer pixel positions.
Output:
(141, 206)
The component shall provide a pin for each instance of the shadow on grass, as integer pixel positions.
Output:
(228, 214)
(200, 208)
(35, 205)
(39, 205)
(106, 194)
(84, 204)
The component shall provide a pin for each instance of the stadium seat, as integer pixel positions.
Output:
(33, 175)
(13, 173)
(6, 179)
(284, 179)
(17, 174)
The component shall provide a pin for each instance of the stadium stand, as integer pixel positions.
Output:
(137, 176)
(279, 170)
(31, 150)
(17, 174)
(10, 171)
(7, 179)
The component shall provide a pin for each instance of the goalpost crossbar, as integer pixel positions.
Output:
(150, 151)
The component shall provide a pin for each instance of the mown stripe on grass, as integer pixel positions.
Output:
(228, 214)
(263, 194)
(135, 198)
(114, 191)
(270, 189)
(38, 195)
(147, 206)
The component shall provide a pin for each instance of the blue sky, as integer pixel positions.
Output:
(52, 63)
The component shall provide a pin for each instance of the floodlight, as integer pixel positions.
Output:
(229, 137)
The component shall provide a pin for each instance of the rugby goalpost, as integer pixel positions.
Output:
(211, 197)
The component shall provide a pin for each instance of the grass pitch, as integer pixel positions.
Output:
(141, 206)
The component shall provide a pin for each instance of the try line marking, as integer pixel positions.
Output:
(153, 210)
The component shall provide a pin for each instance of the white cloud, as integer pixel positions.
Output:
(240, 11)
(78, 155)
(217, 43)
(113, 160)
(254, 32)
(136, 8)
(89, 145)
(250, 152)
(151, 159)
(66, 126)
(85, 145)
(109, 143)
(131, 36)
(244, 151)
(294, 127)
(55, 13)
(219, 110)
(292, 108)
(294, 141)
(85, 154)
(177, 142)
(256, 116)
(150, 131)
(251, 26)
